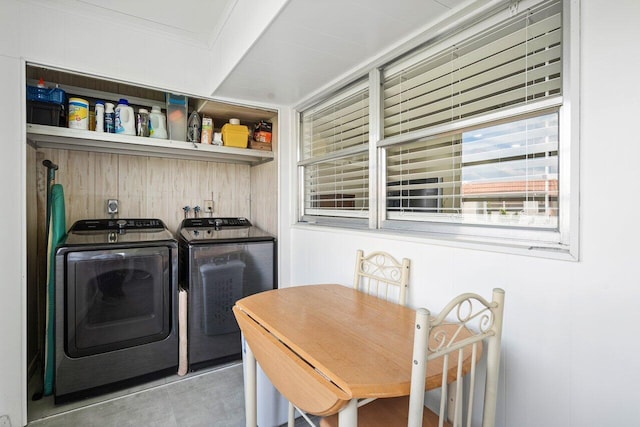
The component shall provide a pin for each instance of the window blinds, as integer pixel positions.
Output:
(503, 67)
(505, 171)
(338, 187)
(335, 158)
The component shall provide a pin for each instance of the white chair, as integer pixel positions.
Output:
(433, 345)
(379, 274)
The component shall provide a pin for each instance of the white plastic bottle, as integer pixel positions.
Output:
(109, 118)
(99, 116)
(125, 118)
(157, 123)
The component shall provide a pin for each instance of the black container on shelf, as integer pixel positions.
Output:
(46, 113)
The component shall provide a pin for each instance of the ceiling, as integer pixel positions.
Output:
(309, 45)
(313, 43)
(195, 21)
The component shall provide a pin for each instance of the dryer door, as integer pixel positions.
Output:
(116, 299)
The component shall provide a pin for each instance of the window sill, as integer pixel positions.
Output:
(556, 252)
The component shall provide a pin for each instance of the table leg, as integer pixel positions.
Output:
(348, 416)
(291, 416)
(250, 387)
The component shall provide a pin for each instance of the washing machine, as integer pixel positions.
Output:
(116, 305)
(221, 260)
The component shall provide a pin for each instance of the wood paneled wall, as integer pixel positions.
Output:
(264, 191)
(36, 270)
(146, 186)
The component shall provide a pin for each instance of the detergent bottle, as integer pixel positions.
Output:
(157, 123)
(109, 118)
(125, 119)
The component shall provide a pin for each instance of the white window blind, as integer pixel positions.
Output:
(334, 155)
(492, 102)
(338, 187)
(513, 64)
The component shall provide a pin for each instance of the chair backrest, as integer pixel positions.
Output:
(380, 274)
(435, 344)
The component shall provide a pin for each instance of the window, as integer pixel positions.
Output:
(504, 174)
(474, 137)
(335, 156)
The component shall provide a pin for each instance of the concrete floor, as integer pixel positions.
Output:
(211, 398)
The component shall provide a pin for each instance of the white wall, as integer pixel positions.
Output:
(43, 34)
(570, 353)
(92, 44)
(12, 253)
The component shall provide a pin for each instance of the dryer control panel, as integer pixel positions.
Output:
(217, 222)
(117, 224)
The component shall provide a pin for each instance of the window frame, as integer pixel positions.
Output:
(336, 218)
(560, 243)
(543, 236)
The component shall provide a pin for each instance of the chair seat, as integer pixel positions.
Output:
(389, 412)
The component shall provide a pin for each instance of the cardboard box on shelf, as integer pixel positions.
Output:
(257, 145)
(207, 130)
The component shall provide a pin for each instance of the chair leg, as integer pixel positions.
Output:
(292, 416)
(419, 367)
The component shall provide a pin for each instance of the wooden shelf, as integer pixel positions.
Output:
(41, 136)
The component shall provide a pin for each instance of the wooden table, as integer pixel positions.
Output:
(326, 346)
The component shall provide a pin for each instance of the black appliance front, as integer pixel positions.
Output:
(116, 305)
(221, 261)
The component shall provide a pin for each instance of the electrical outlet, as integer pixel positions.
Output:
(208, 207)
(112, 206)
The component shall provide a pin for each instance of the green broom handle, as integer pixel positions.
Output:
(51, 177)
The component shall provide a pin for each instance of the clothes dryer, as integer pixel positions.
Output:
(116, 304)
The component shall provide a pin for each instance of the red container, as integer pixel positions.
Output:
(262, 132)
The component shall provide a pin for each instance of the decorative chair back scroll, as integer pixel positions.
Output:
(483, 319)
(380, 274)
(449, 343)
